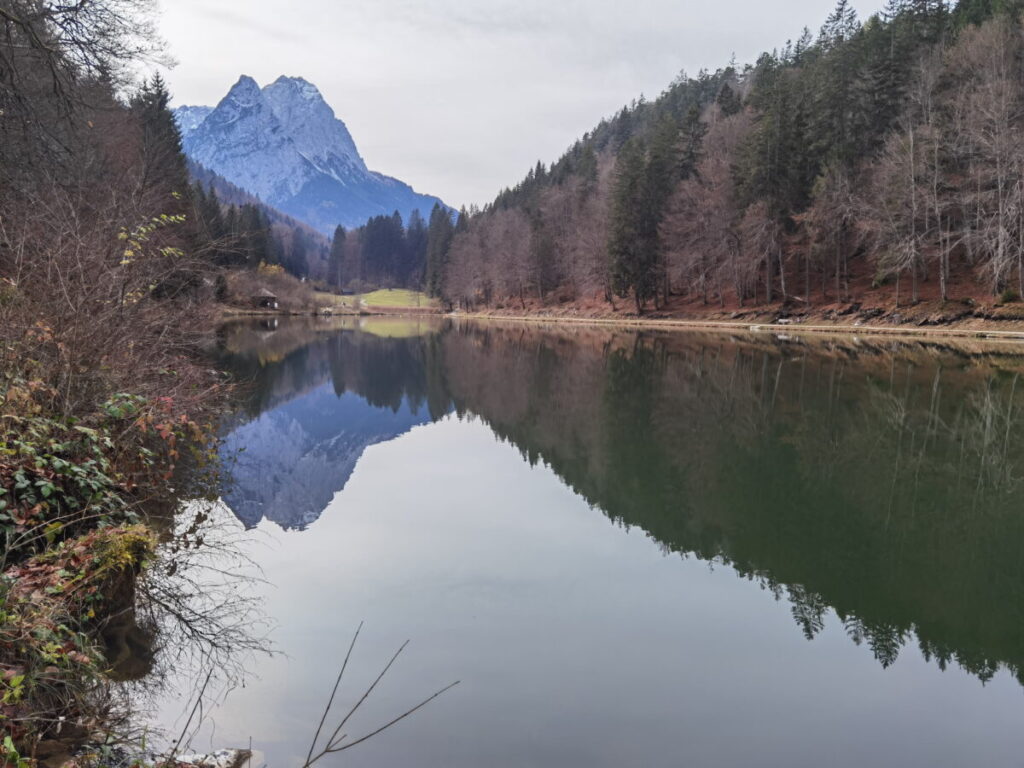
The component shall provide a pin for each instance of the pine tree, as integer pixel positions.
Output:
(586, 167)
(164, 160)
(231, 222)
(208, 215)
(440, 232)
(926, 18)
(212, 214)
(693, 132)
(395, 249)
(542, 249)
(415, 250)
(803, 47)
(840, 26)
(631, 248)
(779, 162)
(662, 165)
(336, 260)
(836, 76)
(974, 12)
(728, 100)
(877, 94)
(297, 259)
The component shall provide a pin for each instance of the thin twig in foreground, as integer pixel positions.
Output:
(334, 741)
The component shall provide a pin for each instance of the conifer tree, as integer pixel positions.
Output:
(415, 250)
(631, 247)
(840, 26)
(440, 232)
(296, 261)
(728, 100)
(803, 47)
(835, 136)
(692, 133)
(336, 260)
(161, 142)
(586, 167)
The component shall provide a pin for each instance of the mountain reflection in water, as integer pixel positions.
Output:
(311, 412)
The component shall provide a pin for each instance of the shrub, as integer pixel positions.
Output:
(50, 666)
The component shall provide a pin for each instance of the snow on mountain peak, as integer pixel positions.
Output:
(245, 92)
(284, 143)
(318, 134)
(306, 89)
(189, 118)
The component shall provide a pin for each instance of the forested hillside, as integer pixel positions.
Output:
(882, 155)
(251, 232)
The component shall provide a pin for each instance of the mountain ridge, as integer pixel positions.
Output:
(284, 144)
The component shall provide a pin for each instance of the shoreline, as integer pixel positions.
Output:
(793, 328)
(986, 330)
(230, 312)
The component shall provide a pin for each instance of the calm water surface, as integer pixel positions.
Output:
(656, 549)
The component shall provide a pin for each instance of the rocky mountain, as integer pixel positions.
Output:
(284, 144)
(189, 118)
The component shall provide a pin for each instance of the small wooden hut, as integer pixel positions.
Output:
(264, 299)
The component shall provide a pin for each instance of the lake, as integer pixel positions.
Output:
(630, 547)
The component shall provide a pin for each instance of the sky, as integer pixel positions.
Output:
(459, 98)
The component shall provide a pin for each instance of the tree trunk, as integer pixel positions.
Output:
(846, 278)
(782, 277)
(1020, 258)
(1020, 272)
(839, 261)
(807, 278)
(943, 291)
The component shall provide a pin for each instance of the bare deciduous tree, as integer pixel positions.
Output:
(701, 229)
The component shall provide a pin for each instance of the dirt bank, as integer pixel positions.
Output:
(966, 318)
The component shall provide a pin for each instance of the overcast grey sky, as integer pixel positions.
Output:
(460, 97)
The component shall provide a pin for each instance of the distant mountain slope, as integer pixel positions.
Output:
(232, 194)
(284, 144)
(189, 118)
(285, 228)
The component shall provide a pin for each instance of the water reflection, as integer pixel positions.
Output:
(877, 480)
(315, 401)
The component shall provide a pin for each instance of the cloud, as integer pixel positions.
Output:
(230, 17)
(461, 97)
